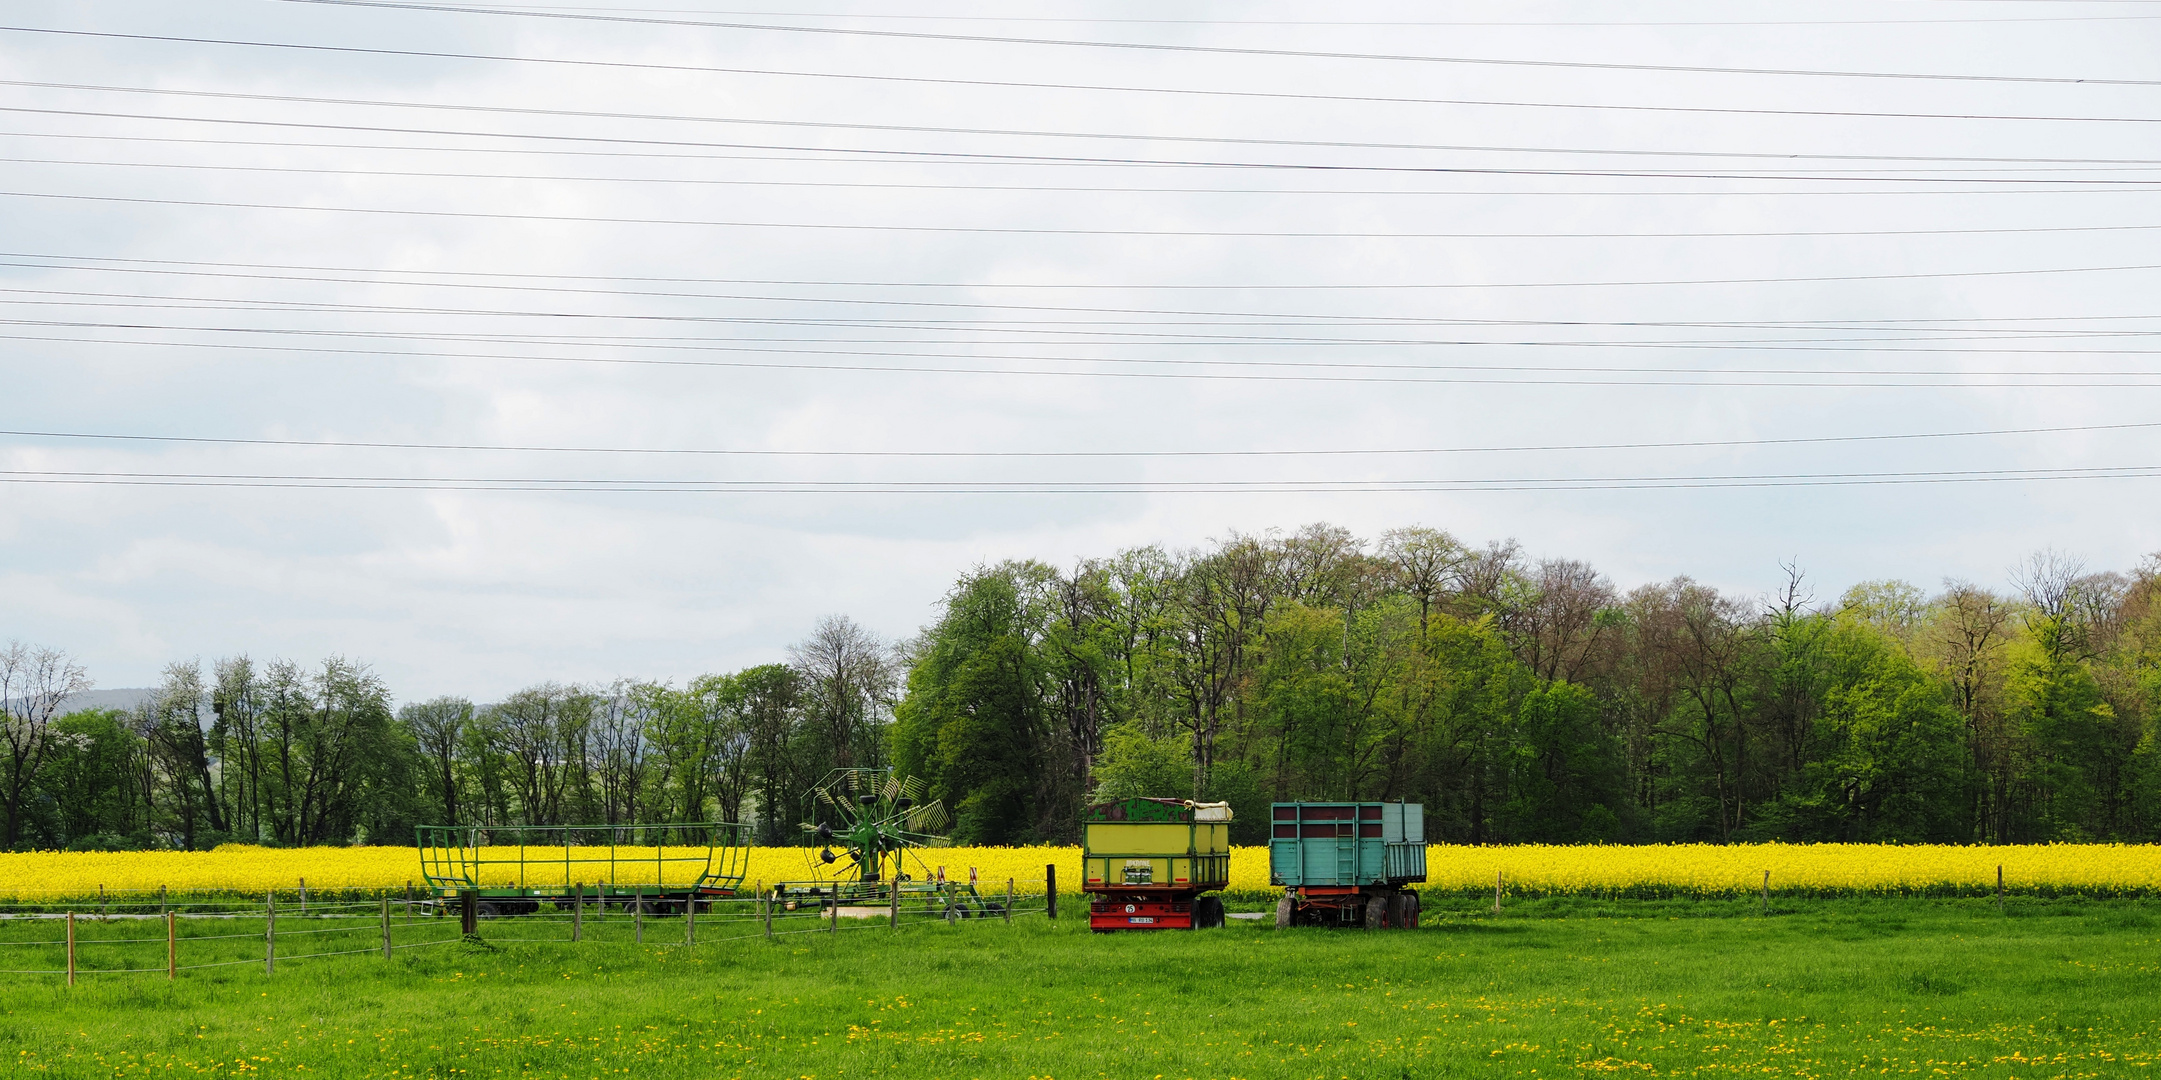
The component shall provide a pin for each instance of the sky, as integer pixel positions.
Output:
(551, 342)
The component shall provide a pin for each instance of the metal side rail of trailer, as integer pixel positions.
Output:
(659, 869)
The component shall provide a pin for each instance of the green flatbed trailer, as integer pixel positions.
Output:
(1146, 863)
(1347, 863)
(661, 869)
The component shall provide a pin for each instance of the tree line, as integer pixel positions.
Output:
(1518, 699)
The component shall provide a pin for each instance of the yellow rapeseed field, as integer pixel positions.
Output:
(1702, 869)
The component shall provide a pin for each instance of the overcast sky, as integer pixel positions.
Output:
(906, 242)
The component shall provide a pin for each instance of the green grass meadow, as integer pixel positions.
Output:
(1890, 987)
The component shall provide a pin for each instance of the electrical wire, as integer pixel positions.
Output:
(1006, 487)
(2062, 186)
(1809, 440)
(828, 226)
(1130, 286)
(1222, 50)
(1733, 378)
(1264, 95)
(1106, 136)
(896, 186)
(160, 267)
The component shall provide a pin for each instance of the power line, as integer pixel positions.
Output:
(896, 186)
(1107, 136)
(1812, 440)
(1223, 50)
(1009, 487)
(230, 271)
(1735, 378)
(1843, 177)
(827, 226)
(998, 84)
(1344, 23)
(1129, 286)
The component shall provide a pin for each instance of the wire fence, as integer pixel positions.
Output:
(150, 933)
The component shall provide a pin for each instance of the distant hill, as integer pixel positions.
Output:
(116, 698)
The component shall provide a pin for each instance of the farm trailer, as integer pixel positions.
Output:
(1347, 863)
(514, 870)
(1145, 864)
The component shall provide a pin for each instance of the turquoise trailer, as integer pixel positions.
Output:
(1346, 863)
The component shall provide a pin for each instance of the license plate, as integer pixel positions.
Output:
(1142, 919)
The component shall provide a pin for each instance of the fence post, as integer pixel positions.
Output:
(1496, 892)
(1766, 892)
(386, 928)
(468, 911)
(1999, 888)
(408, 900)
(71, 948)
(1050, 889)
(303, 897)
(172, 948)
(637, 916)
(835, 927)
(894, 919)
(577, 912)
(161, 900)
(767, 904)
(1009, 901)
(690, 918)
(101, 903)
(270, 933)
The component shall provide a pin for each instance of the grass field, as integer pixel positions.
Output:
(1550, 988)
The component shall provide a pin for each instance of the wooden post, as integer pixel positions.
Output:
(303, 897)
(1050, 889)
(101, 903)
(835, 928)
(1766, 892)
(270, 934)
(1009, 901)
(468, 911)
(1496, 892)
(161, 900)
(1999, 888)
(408, 900)
(637, 916)
(386, 928)
(770, 900)
(577, 912)
(172, 948)
(690, 918)
(894, 919)
(71, 948)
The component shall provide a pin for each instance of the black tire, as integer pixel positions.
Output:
(1208, 911)
(993, 909)
(1376, 912)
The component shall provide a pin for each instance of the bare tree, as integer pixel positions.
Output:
(1559, 628)
(1423, 561)
(848, 679)
(34, 683)
(439, 726)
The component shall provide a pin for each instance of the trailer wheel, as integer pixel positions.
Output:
(1402, 911)
(1207, 913)
(1376, 913)
(1284, 910)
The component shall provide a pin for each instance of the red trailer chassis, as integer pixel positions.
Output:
(1376, 907)
(1155, 909)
